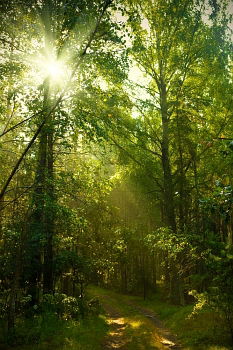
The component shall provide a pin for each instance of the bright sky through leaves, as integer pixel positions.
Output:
(54, 69)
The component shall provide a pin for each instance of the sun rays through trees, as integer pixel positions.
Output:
(116, 154)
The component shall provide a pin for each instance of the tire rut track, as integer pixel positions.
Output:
(117, 339)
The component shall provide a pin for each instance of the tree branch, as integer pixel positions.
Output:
(60, 98)
(136, 161)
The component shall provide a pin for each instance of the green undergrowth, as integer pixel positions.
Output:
(201, 331)
(52, 333)
(139, 331)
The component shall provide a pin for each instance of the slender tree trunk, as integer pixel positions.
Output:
(11, 308)
(13, 292)
(1, 215)
(43, 215)
(144, 277)
(154, 271)
(49, 219)
(37, 224)
(49, 171)
(169, 210)
(181, 179)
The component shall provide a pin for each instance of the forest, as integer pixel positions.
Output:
(116, 182)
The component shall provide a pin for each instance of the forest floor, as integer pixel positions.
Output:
(134, 324)
(133, 327)
(127, 323)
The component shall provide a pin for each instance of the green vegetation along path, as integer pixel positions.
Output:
(132, 327)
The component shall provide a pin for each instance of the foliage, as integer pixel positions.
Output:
(117, 170)
(45, 331)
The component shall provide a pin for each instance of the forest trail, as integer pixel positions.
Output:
(133, 327)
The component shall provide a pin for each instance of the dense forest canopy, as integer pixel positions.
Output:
(116, 151)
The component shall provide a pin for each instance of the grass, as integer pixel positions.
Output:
(205, 330)
(199, 331)
(139, 332)
(57, 334)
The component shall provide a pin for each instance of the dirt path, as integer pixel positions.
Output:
(165, 336)
(133, 327)
(115, 338)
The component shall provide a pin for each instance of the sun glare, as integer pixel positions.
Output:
(54, 69)
(49, 67)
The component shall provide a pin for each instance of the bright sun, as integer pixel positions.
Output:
(54, 69)
(49, 67)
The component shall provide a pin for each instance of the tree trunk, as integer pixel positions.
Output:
(169, 211)
(49, 171)
(1, 215)
(37, 224)
(49, 220)
(181, 180)
(13, 292)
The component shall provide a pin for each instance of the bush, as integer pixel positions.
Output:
(62, 305)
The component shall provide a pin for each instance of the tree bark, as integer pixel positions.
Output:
(50, 215)
(168, 194)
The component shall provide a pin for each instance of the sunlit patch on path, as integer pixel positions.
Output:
(162, 334)
(116, 338)
(133, 329)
